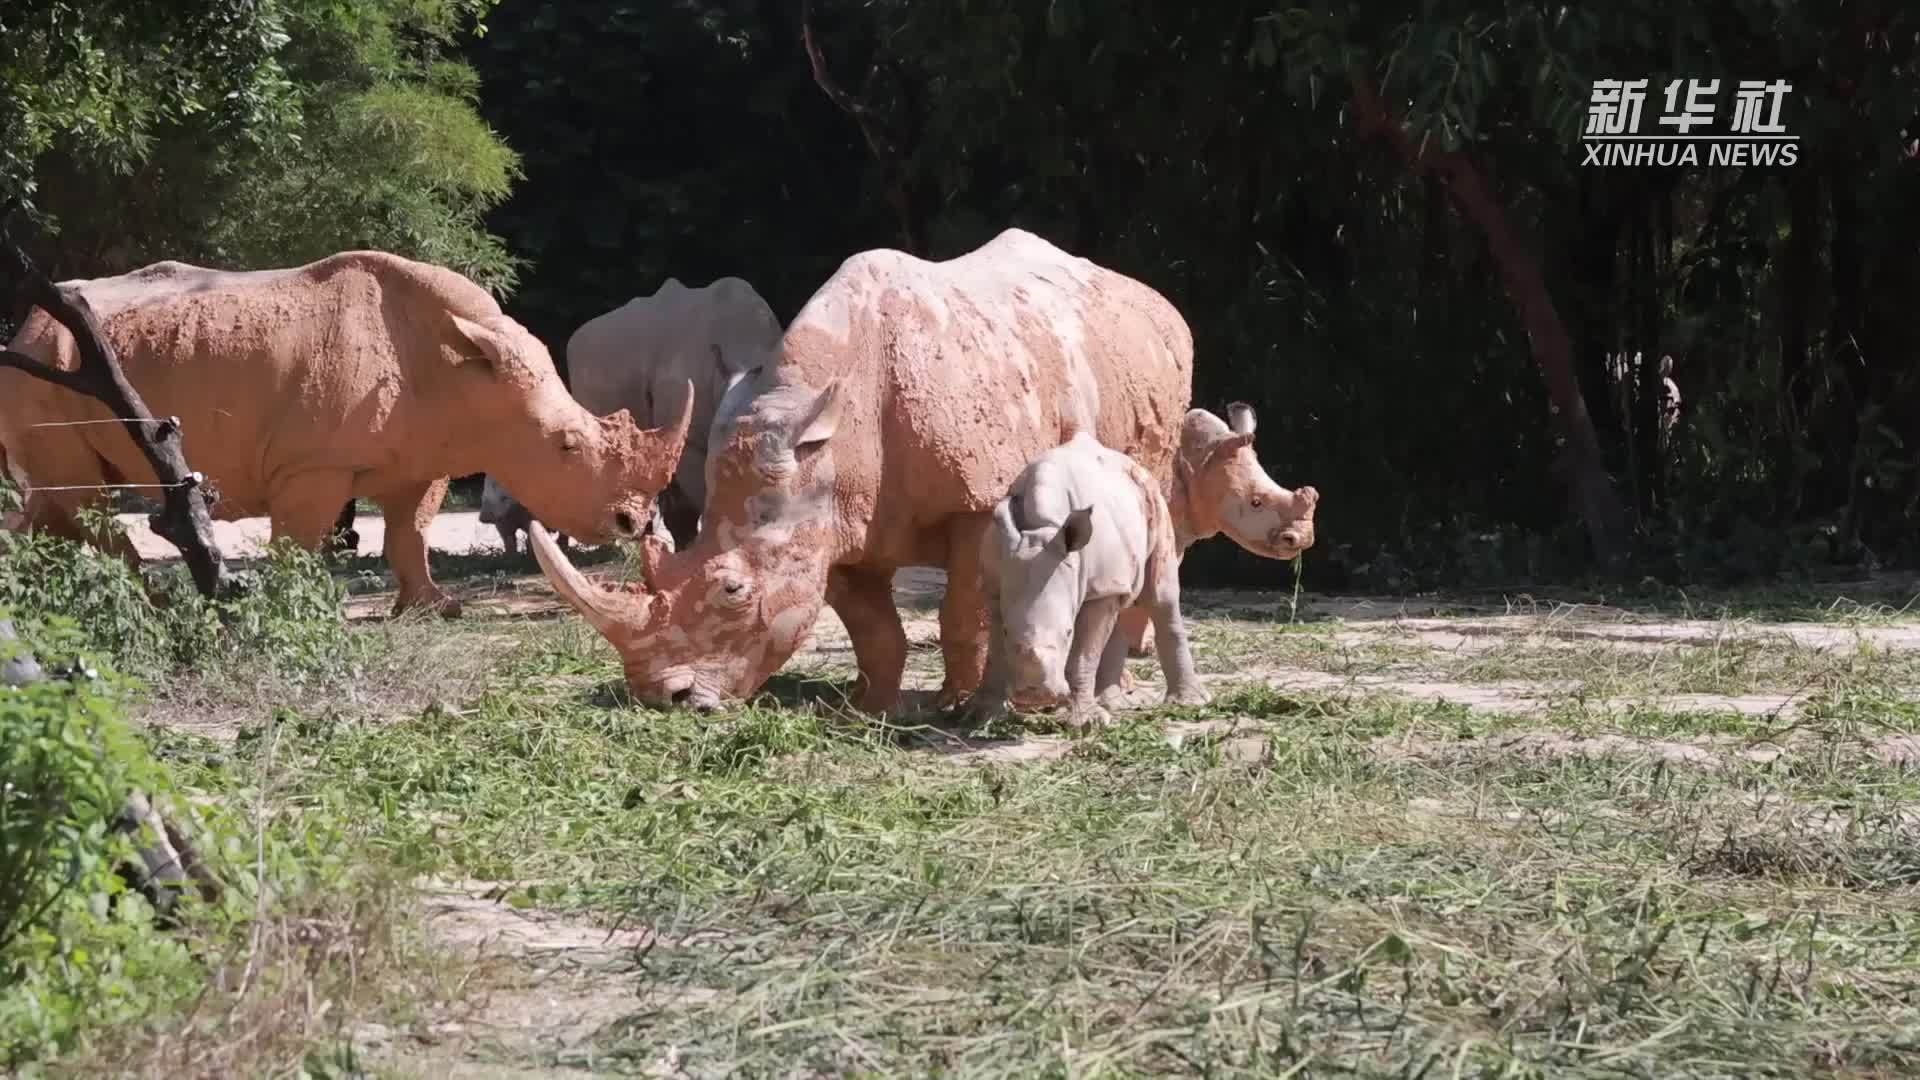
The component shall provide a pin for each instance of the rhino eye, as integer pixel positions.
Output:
(570, 442)
(1256, 502)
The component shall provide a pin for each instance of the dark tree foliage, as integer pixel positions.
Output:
(1374, 216)
(1334, 271)
(667, 140)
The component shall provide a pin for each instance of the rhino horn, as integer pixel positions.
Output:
(615, 613)
(670, 441)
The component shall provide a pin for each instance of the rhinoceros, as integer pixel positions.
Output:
(1083, 534)
(904, 399)
(641, 355)
(361, 374)
(1219, 487)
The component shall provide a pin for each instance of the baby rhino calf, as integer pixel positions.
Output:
(504, 512)
(1083, 534)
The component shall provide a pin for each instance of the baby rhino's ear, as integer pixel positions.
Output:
(1240, 418)
(1077, 529)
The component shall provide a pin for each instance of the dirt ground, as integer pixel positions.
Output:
(456, 532)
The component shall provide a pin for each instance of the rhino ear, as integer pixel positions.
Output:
(1240, 418)
(819, 421)
(1226, 447)
(471, 338)
(1076, 530)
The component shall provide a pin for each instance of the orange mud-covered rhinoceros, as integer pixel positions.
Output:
(905, 398)
(362, 374)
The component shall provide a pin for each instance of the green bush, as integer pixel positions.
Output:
(288, 620)
(76, 946)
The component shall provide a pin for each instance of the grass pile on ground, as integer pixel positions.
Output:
(828, 895)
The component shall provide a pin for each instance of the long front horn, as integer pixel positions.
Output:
(612, 612)
(671, 441)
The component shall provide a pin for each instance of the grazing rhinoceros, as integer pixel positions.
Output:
(905, 398)
(361, 374)
(1083, 534)
(641, 355)
(1219, 487)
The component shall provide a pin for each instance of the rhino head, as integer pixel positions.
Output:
(1038, 596)
(594, 478)
(1228, 492)
(711, 623)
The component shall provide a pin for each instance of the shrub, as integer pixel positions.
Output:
(288, 619)
(76, 947)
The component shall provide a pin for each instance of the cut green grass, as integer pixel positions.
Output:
(1343, 880)
(833, 896)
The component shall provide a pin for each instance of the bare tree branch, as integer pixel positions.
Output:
(65, 379)
(884, 143)
(184, 521)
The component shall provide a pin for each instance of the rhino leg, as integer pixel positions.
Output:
(964, 620)
(409, 513)
(864, 601)
(1111, 684)
(1091, 633)
(306, 508)
(1176, 655)
(1136, 629)
(64, 459)
(343, 538)
(989, 703)
(509, 537)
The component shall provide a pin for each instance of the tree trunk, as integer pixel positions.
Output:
(1592, 491)
(1649, 387)
(1591, 247)
(1797, 375)
(1846, 338)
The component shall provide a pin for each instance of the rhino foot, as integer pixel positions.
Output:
(952, 697)
(985, 709)
(1192, 695)
(436, 600)
(1086, 716)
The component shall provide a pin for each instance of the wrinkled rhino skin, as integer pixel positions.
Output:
(1220, 487)
(1083, 534)
(642, 355)
(361, 374)
(906, 397)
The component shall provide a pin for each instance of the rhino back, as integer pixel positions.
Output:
(309, 366)
(1082, 473)
(964, 371)
(640, 355)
